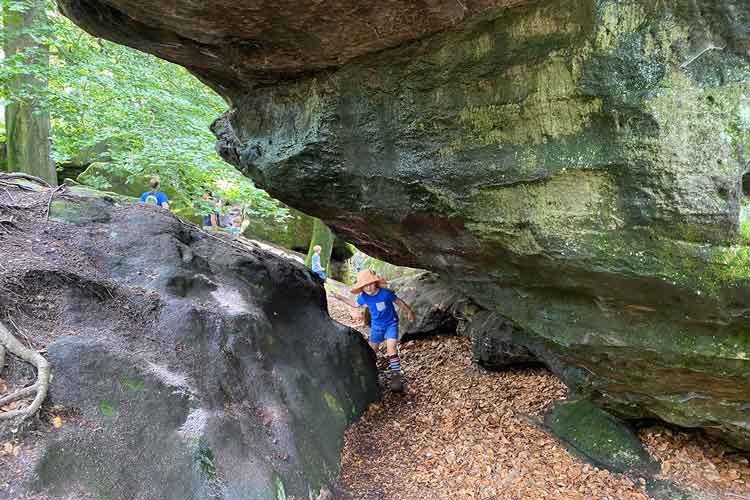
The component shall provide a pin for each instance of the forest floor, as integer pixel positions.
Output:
(462, 432)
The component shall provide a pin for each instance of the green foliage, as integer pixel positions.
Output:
(106, 408)
(745, 230)
(152, 115)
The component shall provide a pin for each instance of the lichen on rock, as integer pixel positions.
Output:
(573, 167)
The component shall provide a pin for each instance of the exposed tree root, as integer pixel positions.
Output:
(11, 343)
(28, 177)
(51, 196)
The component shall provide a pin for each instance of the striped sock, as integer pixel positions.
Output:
(394, 363)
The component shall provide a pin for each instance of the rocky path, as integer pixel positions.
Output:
(461, 432)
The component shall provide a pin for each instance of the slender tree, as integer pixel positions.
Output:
(27, 121)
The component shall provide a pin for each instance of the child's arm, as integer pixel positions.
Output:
(403, 305)
(348, 300)
(359, 310)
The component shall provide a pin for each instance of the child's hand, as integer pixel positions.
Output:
(410, 315)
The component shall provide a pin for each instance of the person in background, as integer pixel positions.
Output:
(155, 197)
(235, 228)
(226, 220)
(316, 267)
(211, 220)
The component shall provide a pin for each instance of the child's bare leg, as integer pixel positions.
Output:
(391, 346)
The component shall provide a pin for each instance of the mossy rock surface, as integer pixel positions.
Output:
(81, 211)
(294, 233)
(573, 167)
(600, 438)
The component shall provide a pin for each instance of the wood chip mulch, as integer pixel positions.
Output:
(700, 463)
(462, 432)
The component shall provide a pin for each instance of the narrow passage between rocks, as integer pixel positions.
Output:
(462, 432)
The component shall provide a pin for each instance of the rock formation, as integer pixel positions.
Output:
(574, 167)
(186, 364)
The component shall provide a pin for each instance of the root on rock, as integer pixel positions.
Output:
(28, 177)
(14, 346)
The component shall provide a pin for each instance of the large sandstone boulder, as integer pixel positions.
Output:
(574, 167)
(188, 365)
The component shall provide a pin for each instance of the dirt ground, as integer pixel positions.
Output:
(462, 432)
(30, 246)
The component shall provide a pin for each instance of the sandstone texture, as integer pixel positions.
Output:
(574, 167)
(185, 365)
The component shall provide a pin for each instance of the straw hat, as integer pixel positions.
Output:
(364, 278)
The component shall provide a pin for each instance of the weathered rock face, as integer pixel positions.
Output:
(194, 368)
(294, 233)
(234, 46)
(573, 166)
(439, 309)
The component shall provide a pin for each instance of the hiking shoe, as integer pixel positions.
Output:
(396, 382)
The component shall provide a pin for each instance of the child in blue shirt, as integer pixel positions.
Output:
(315, 260)
(380, 301)
(236, 227)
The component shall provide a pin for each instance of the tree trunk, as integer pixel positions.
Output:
(27, 122)
(3, 156)
(324, 237)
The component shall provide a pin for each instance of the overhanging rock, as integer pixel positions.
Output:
(574, 166)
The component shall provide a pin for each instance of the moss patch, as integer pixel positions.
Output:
(279, 487)
(334, 405)
(132, 384)
(107, 408)
(521, 215)
(599, 437)
(81, 211)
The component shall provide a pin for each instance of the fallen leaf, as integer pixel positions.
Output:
(57, 422)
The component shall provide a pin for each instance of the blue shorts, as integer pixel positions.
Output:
(321, 275)
(380, 333)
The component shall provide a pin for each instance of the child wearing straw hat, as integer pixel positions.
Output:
(380, 301)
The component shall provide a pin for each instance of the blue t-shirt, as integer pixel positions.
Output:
(316, 263)
(381, 307)
(161, 198)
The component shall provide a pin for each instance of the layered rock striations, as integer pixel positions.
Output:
(575, 167)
